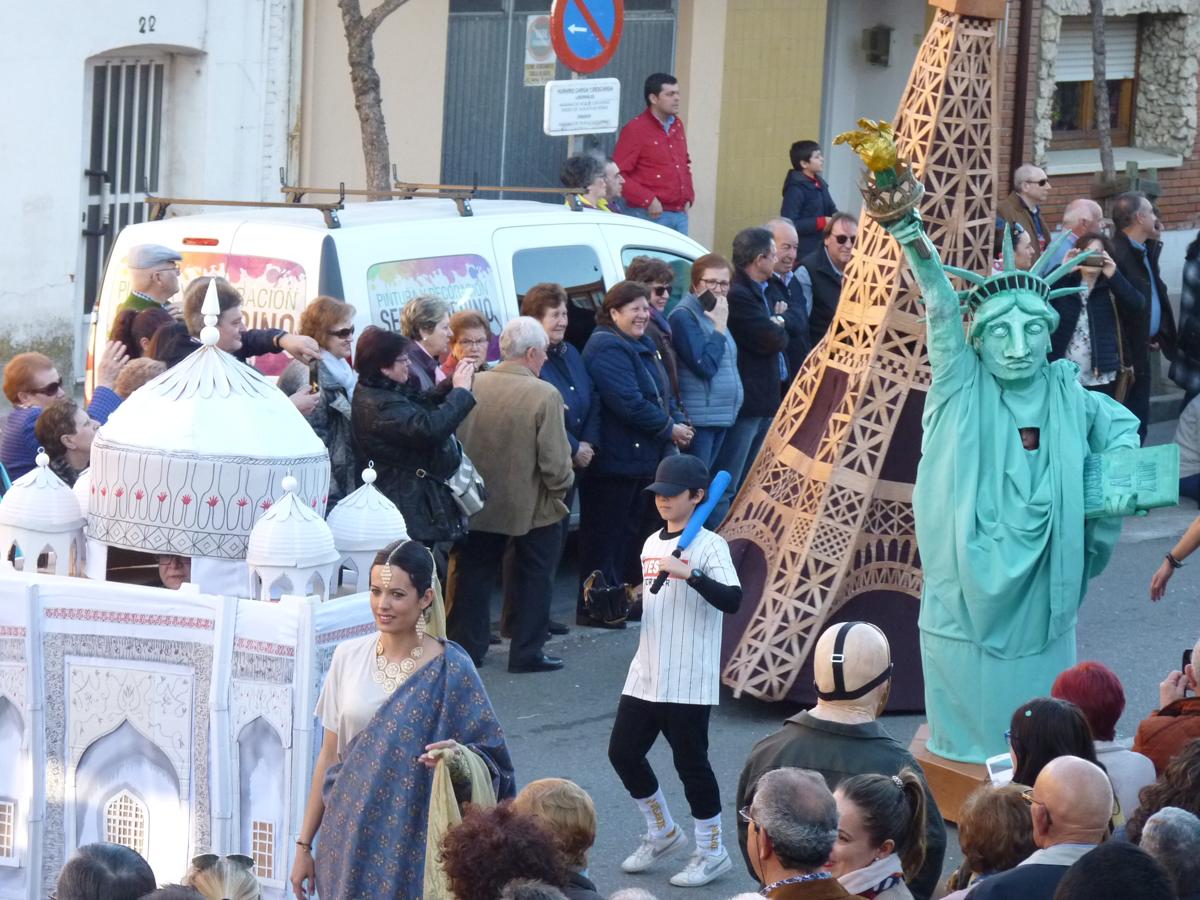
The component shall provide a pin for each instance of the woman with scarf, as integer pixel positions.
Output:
(394, 704)
(881, 834)
(329, 322)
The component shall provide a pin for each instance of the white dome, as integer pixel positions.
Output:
(191, 460)
(290, 535)
(83, 490)
(40, 501)
(366, 519)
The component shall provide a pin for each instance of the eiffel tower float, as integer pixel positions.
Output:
(822, 530)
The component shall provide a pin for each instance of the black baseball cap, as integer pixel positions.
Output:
(679, 473)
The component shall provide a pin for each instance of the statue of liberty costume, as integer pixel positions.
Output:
(999, 496)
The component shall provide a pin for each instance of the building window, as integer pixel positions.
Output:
(8, 829)
(262, 838)
(1072, 114)
(125, 822)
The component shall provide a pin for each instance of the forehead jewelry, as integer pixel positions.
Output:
(385, 577)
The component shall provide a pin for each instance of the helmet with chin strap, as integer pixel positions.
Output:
(850, 676)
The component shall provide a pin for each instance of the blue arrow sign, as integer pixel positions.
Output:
(589, 26)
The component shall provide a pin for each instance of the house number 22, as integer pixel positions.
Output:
(146, 24)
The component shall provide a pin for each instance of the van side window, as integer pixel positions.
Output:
(465, 281)
(577, 269)
(681, 265)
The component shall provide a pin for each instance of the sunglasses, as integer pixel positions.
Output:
(844, 239)
(49, 390)
(343, 333)
(661, 290)
(1042, 183)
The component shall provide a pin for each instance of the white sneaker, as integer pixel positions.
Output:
(702, 868)
(650, 851)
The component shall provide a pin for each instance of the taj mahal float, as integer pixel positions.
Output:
(175, 721)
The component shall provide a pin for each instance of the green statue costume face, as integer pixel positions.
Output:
(1011, 334)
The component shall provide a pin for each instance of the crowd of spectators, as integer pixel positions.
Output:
(830, 805)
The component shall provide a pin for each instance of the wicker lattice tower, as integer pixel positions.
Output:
(825, 517)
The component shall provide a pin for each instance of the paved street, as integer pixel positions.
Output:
(558, 723)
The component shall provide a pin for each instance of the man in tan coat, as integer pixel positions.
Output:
(516, 438)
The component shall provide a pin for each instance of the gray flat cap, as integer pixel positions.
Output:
(147, 256)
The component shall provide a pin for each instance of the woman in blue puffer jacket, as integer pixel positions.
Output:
(640, 425)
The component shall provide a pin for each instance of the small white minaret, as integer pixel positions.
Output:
(363, 523)
(291, 545)
(40, 514)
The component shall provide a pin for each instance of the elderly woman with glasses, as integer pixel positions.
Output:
(329, 322)
(709, 384)
(470, 338)
(31, 382)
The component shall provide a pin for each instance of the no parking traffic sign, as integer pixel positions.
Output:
(585, 33)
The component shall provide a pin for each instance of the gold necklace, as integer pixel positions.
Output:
(390, 675)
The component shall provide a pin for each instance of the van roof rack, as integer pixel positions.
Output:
(157, 206)
(461, 194)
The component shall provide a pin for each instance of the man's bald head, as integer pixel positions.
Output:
(786, 243)
(1031, 183)
(1082, 215)
(1077, 800)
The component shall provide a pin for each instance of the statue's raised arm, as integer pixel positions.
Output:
(892, 194)
(943, 311)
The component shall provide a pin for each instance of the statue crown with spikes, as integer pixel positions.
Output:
(1010, 279)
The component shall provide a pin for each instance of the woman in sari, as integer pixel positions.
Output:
(394, 702)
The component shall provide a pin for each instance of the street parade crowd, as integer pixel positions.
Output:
(627, 412)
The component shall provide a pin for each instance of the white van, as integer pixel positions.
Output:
(377, 256)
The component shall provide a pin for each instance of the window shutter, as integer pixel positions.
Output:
(1075, 48)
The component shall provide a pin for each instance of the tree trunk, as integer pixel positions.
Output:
(1100, 95)
(364, 81)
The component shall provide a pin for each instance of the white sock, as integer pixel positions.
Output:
(708, 836)
(658, 818)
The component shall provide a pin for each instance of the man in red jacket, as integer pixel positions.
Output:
(652, 155)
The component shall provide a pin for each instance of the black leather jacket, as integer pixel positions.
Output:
(409, 436)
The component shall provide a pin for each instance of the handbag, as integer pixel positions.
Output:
(466, 485)
(1125, 375)
(604, 604)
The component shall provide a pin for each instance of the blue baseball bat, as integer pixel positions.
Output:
(699, 516)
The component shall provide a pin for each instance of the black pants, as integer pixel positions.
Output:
(1137, 401)
(510, 561)
(611, 510)
(685, 726)
(475, 566)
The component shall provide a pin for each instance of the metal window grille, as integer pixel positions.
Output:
(8, 829)
(125, 822)
(262, 843)
(123, 156)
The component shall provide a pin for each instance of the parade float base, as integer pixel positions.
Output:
(950, 782)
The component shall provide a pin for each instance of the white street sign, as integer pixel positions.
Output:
(582, 106)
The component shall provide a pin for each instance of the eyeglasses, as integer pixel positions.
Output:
(715, 283)
(844, 239)
(472, 342)
(343, 333)
(744, 814)
(661, 290)
(1027, 796)
(48, 390)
